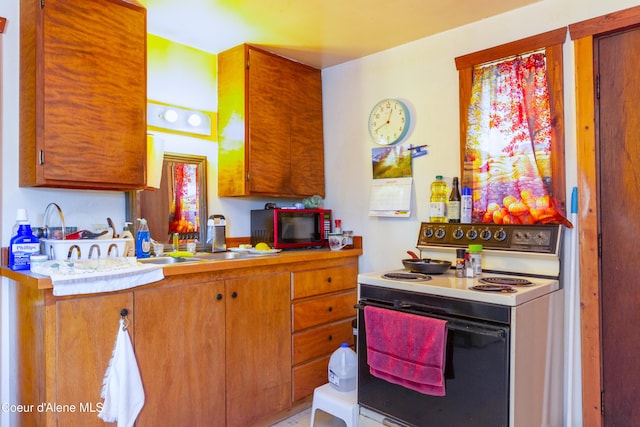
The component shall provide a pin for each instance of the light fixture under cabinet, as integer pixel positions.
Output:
(178, 119)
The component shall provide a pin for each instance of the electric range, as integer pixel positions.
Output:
(504, 348)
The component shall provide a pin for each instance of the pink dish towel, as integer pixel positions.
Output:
(406, 349)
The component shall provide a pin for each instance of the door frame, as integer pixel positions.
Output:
(583, 35)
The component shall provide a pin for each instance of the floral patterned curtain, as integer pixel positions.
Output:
(508, 148)
(184, 212)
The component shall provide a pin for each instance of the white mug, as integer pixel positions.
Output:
(337, 241)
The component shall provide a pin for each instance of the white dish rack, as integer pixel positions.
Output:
(84, 249)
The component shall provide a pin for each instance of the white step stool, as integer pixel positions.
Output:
(343, 405)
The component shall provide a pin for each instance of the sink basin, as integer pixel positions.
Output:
(166, 260)
(223, 255)
(199, 257)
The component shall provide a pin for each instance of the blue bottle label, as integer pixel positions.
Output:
(143, 244)
(20, 250)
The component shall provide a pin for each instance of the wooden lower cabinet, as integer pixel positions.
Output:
(85, 333)
(322, 315)
(180, 347)
(258, 357)
(217, 349)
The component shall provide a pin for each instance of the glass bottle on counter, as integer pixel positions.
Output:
(438, 201)
(453, 210)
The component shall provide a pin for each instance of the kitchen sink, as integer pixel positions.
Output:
(208, 256)
(199, 257)
(167, 260)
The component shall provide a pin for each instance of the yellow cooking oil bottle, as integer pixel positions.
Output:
(438, 201)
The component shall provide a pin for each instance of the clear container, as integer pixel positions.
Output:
(343, 369)
(475, 252)
(438, 200)
(348, 235)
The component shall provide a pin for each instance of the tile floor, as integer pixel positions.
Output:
(303, 418)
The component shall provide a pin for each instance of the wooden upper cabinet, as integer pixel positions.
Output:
(270, 125)
(83, 94)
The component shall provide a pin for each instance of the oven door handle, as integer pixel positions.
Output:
(452, 324)
(402, 305)
(496, 333)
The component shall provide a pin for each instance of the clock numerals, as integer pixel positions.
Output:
(388, 122)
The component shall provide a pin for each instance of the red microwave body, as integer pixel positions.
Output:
(291, 228)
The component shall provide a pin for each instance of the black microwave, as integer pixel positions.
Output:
(291, 228)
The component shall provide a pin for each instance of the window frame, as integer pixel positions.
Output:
(552, 42)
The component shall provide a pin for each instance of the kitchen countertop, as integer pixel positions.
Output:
(29, 278)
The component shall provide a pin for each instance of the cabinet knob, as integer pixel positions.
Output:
(330, 308)
(329, 279)
(330, 337)
(219, 297)
(234, 294)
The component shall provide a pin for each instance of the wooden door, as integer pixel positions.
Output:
(180, 350)
(618, 124)
(86, 330)
(258, 347)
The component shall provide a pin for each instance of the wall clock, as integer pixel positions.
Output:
(389, 121)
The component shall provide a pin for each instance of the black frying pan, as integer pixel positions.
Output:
(426, 265)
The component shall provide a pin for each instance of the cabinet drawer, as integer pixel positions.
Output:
(309, 376)
(323, 310)
(317, 282)
(321, 341)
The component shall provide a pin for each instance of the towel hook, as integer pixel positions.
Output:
(125, 320)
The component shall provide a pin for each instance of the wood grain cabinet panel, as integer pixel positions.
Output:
(86, 330)
(180, 347)
(322, 315)
(83, 94)
(322, 340)
(326, 309)
(258, 363)
(322, 281)
(270, 125)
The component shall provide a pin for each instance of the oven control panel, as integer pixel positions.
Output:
(519, 238)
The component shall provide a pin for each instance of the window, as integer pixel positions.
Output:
(512, 133)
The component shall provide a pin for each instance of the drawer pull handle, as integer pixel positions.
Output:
(329, 337)
(329, 279)
(330, 308)
(219, 297)
(234, 294)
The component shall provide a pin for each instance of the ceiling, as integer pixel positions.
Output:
(321, 33)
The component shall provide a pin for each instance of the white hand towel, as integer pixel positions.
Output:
(122, 386)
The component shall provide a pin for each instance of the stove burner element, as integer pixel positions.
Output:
(412, 277)
(494, 288)
(512, 281)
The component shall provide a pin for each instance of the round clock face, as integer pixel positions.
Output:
(389, 121)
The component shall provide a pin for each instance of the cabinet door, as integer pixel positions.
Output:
(258, 347)
(269, 93)
(86, 330)
(180, 349)
(307, 141)
(83, 94)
